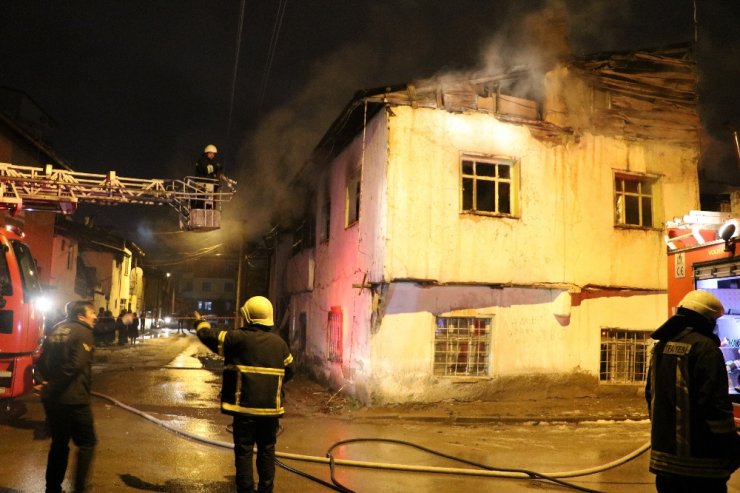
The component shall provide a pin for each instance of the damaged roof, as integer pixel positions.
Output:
(644, 94)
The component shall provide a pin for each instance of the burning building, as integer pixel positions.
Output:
(466, 234)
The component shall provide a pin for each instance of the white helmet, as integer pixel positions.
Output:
(703, 303)
(210, 148)
(258, 310)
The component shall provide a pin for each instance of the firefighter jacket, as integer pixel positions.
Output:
(66, 363)
(692, 427)
(256, 364)
(207, 168)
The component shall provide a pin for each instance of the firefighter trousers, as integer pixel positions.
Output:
(65, 423)
(248, 431)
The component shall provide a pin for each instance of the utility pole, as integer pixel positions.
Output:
(239, 271)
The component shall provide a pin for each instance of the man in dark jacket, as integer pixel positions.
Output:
(66, 369)
(256, 364)
(694, 442)
(207, 166)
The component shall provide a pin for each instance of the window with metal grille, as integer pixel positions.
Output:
(462, 346)
(633, 200)
(625, 355)
(488, 186)
(334, 334)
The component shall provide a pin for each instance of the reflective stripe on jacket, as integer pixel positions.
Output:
(256, 364)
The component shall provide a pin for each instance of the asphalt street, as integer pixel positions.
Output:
(165, 379)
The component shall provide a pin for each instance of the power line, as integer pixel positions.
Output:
(239, 30)
(277, 26)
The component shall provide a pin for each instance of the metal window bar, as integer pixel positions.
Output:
(462, 346)
(334, 334)
(625, 355)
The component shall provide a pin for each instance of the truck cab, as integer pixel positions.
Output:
(21, 319)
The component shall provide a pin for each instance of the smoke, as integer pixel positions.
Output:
(406, 41)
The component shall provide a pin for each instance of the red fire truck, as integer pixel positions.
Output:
(196, 200)
(21, 318)
(701, 255)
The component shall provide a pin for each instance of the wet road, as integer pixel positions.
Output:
(165, 380)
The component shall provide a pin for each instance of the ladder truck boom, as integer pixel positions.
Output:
(197, 200)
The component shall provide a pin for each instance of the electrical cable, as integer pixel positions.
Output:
(484, 471)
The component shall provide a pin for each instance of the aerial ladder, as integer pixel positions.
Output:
(198, 204)
(196, 200)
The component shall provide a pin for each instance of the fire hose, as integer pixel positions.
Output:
(484, 471)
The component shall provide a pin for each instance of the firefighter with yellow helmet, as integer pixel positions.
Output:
(694, 443)
(256, 364)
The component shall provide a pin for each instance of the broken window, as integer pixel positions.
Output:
(326, 217)
(304, 235)
(334, 334)
(625, 355)
(633, 200)
(353, 197)
(462, 346)
(488, 186)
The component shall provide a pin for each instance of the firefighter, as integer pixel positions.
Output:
(66, 370)
(694, 443)
(258, 360)
(207, 166)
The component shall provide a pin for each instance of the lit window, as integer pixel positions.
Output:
(353, 197)
(488, 186)
(625, 355)
(462, 346)
(633, 200)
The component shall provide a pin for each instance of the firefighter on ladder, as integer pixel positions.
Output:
(207, 166)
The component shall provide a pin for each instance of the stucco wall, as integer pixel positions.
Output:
(564, 232)
(528, 339)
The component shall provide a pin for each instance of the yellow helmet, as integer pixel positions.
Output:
(705, 304)
(258, 310)
(210, 148)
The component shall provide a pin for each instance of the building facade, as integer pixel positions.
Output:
(471, 235)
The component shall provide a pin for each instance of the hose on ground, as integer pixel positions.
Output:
(484, 471)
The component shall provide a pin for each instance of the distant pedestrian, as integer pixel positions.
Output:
(258, 360)
(695, 447)
(122, 323)
(133, 328)
(65, 367)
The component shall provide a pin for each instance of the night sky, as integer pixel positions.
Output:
(142, 86)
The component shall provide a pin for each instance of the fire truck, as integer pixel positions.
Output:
(197, 202)
(702, 255)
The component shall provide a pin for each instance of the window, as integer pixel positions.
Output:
(29, 274)
(625, 355)
(304, 235)
(462, 346)
(353, 197)
(229, 287)
(334, 334)
(206, 286)
(488, 186)
(326, 217)
(633, 200)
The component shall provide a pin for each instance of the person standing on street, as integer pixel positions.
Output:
(256, 364)
(66, 371)
(694, 443)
